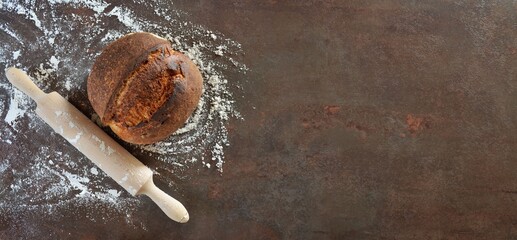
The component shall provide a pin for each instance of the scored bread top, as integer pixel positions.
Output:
(143, 89)
(115, 64)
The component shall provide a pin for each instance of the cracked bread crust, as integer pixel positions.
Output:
(143, 89)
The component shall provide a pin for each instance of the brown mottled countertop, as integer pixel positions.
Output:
(363, 120)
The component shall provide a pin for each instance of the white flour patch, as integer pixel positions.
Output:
(57, 49)
(13, 112)
(94, 171)
(16, 54)
(17, 108)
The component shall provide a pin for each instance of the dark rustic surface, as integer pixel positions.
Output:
(372, 120)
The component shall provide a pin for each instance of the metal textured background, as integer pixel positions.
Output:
(371, 120)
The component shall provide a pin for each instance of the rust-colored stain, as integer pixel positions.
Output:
(331, 110)
(355, 126)
(416, 124)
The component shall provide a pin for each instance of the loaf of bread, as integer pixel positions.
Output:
(143, 89)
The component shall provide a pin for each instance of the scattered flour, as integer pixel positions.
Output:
(16, 54)
(14, 110)
(50, 41)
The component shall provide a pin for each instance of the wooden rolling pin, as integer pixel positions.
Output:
(95, 144)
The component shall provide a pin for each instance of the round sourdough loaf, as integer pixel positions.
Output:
(142, 88)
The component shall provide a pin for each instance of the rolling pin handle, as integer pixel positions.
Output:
(170, 206)
(21, 80)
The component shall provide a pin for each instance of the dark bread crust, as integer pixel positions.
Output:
(143, 89)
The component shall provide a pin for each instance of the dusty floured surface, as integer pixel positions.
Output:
(57, 50)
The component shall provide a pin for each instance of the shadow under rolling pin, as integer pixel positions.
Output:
(96, 145)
